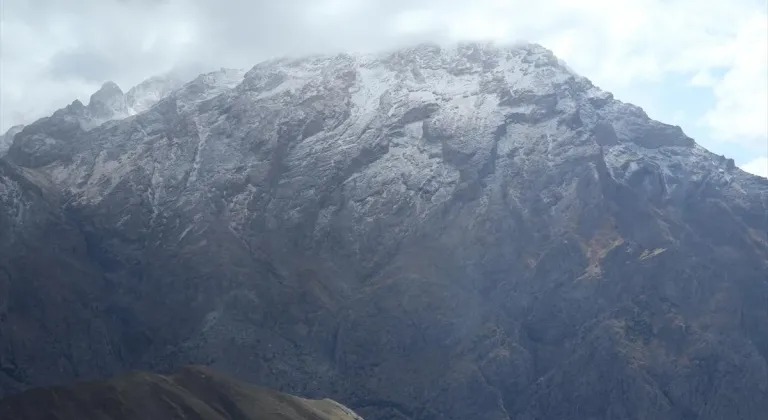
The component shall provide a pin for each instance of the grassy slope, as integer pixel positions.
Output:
(193, 393)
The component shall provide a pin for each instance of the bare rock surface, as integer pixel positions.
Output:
(468, 232)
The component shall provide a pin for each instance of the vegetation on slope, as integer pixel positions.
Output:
(192, 393)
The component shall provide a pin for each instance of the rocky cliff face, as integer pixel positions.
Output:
(55, 321)
(7, 139)
(474, 232)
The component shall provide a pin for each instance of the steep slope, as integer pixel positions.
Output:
(56, 321)
(472, 232)
(191, 393)
(7, 139)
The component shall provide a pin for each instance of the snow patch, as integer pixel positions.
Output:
(372, 84)
(202, 136)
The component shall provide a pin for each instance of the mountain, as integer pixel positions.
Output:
(149, 92)
(55, 320)
(191, 393)
(465, 232)
(7, 138)
(107, 104)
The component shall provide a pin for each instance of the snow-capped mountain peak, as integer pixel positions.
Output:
(147, 93)
(460, 96)
(474, 216)
(107, 103)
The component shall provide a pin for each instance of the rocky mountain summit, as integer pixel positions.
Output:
(107, 104)
(431, 233)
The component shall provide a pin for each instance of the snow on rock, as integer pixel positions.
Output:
(207, 86)
(106, 104)
(422, 115)
(468, 177)
(149, 92)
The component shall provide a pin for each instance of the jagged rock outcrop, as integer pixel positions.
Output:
(473, 232)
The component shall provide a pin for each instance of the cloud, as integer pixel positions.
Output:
(757, 166)
(53, 51)
(741, 113)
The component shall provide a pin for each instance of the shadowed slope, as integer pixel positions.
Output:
(191, 393)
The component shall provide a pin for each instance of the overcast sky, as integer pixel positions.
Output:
(700, 64)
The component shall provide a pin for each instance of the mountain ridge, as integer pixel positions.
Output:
(477, 223)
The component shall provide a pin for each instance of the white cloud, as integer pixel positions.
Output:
(741, 113)
(703, 78)
(757, 166)
(55, 51)
(414, 21)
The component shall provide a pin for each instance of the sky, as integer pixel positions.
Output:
(699, 64)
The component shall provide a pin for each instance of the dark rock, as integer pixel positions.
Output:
(454, 233)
